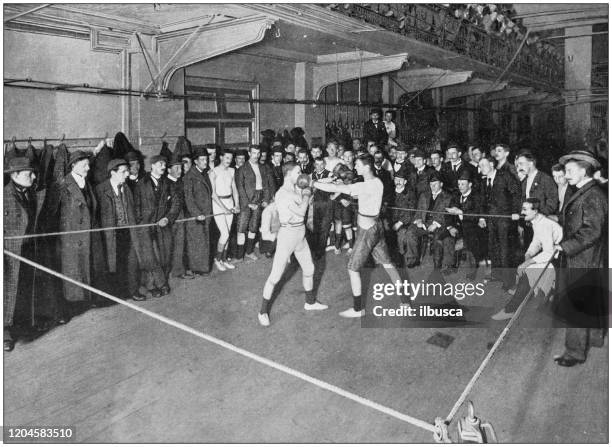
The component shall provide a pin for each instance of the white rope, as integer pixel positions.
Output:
(272, 364)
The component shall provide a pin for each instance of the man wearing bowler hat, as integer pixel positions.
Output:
(374, 129)
(22, 206)
(152, 200)
(198, 204)
(430, 221)
(121, 246)
(582, 299)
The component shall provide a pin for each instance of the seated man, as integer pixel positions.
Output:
(546, 233)
(432, 221)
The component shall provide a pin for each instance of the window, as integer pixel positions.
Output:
(220, 112)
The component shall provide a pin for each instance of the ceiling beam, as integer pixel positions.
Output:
(29, 11)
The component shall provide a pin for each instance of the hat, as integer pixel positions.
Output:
(419, 153)
(131, 156)
(268, 133)
(114, 164)
(464, 174)
(200, 152)
(376, 110)
(581, 155)
(76, 156)
(401, 148)
(277, 143)
(402, 173)
(16, 164)
(158, 158)
(242, 152)
(435, 177)
(175, 159)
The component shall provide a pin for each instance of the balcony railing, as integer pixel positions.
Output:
(435, 25)
(599, 75)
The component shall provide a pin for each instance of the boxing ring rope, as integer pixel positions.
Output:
(272, 364)
(500, 339)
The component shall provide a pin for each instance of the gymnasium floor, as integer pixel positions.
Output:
(119, 376)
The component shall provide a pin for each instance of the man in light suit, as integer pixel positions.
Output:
(546, 233)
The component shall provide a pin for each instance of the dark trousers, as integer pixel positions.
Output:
(178, 249)
(322, 219)
(499, 250)
(578, 341)
(165, 241)
(443, 245)
(124, 282)
(522, 289)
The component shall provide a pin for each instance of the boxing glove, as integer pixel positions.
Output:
(303, 181)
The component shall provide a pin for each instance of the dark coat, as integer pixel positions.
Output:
(98, 171)
(583, 290)
(420, 182)
(108, 218)
(505, 196)
(388, 185)
(245, 182)
(509, 168)
(18, 278)
(450, 176)
(277, 176)
(375, 132)
(70, 206)
(545, 190)
(404, 199)
(443, 201)
(151, 207)
(198, 201)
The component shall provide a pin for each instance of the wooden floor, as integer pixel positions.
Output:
(119, 376)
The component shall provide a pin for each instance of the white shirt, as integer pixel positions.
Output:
(562, 190)
(223, 180)
(80, 181)
(492, 176)
(173, 179)
(390, 126)
(583, 182)
(546, 233)
(530, 179)
(115, 187)
(258, 182)
(369, 195)
(330, 163)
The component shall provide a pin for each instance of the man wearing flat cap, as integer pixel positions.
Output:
(22, 206)
(152, 200)
(374, 129)
(121, 246)
(431, 222)
(582, 299)
(136, 171)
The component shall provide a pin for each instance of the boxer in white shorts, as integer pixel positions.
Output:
(292, 204)
(370, 232)
(224, 200)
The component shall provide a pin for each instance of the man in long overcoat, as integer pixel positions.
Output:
(152, 201)
(22, 205)
(74, 203)
(198, 204)
(583, 289)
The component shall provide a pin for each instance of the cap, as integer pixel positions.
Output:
(115, 163)
(419, 153)
(158, 158)
(76, 156)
